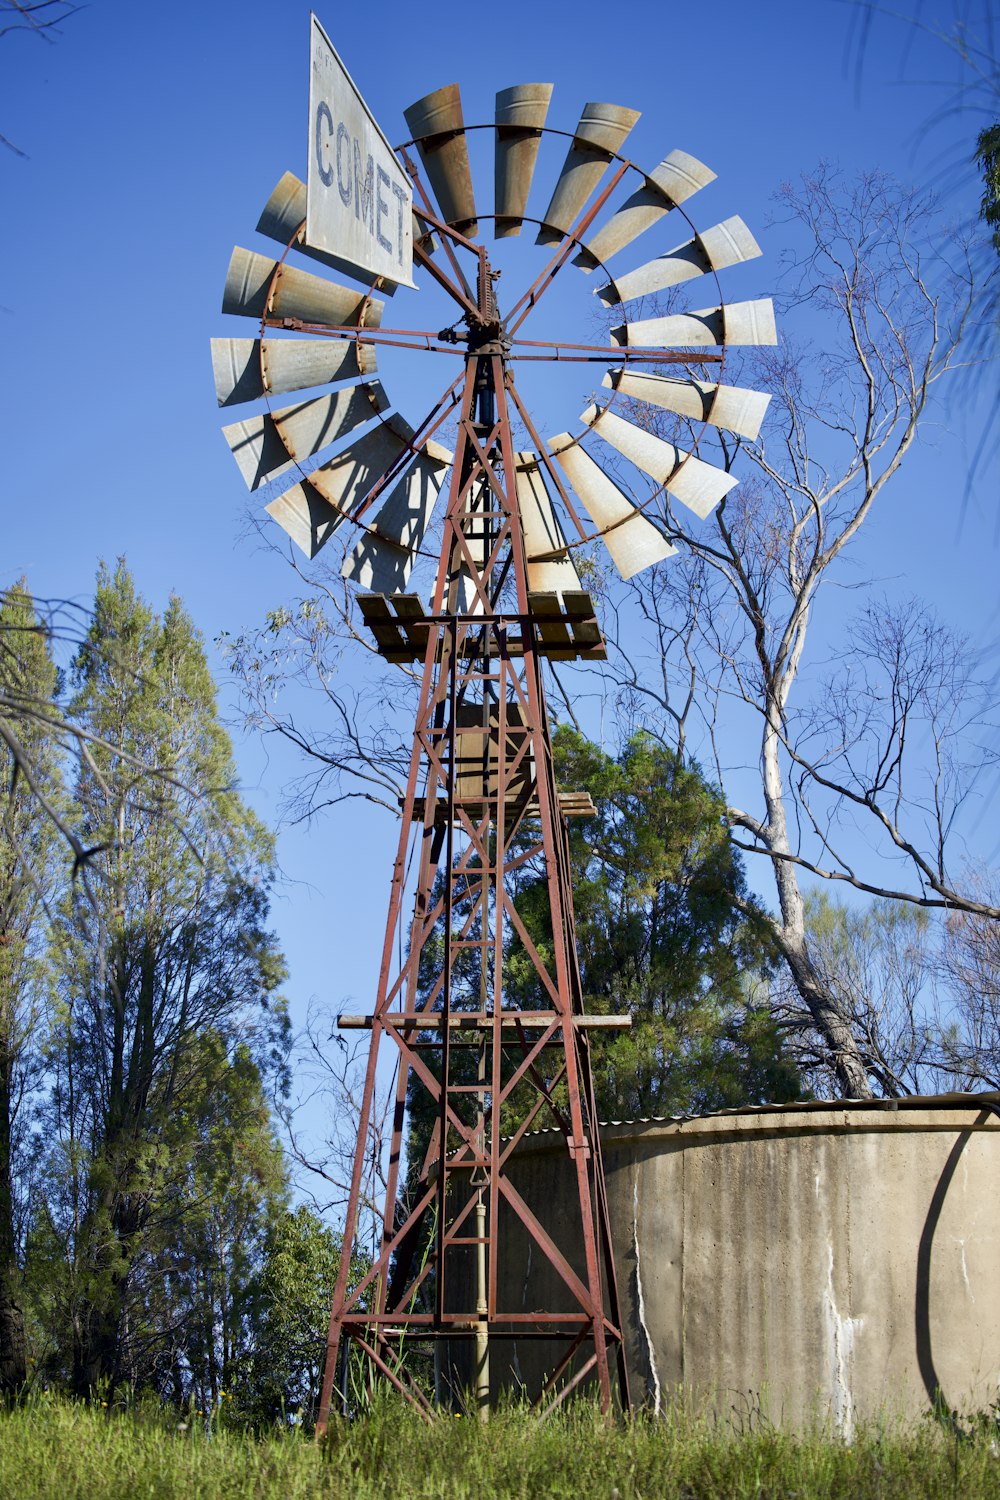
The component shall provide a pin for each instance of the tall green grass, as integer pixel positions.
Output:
(53, 1448)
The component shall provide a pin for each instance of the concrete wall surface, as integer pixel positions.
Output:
(819, 1262)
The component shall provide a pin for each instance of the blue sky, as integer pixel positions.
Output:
(153, 136)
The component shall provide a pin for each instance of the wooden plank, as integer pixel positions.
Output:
(582, 618)
(410, 610)
(552, 637)
(478, 1021)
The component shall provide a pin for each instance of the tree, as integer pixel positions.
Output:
(735, 616)
(35, 731)
(970, 966)
(882, 962)
(39, 18)
(668, 933)
(169, 949)
(27, 890)
(988, 157)
(206, 1237)
(969, 94)
(289, 1313)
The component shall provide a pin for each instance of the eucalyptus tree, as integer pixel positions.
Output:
(28, 882)
(667, 933)
(882, 741)
(167, 947)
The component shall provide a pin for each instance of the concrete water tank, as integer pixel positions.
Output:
(815, 1261)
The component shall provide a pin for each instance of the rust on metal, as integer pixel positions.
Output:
(481, 805)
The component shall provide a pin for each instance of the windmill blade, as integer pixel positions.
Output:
(725, 244)
(630, 537)
(601, 130)
(284, 218)
(729, 406)
(246, 369)
(306, 516)
(383, 559)
(542, 533)
(677, 178)
(696, 484)
(439, 130)
(257, 285)
(735, 323)
(520, 116)
(269, 445)
(312, 510)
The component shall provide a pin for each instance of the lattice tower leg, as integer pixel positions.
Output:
(480, 806)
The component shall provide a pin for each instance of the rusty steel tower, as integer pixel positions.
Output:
(481, 1054)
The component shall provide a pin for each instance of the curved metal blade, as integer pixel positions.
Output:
(312, 510)
(256, 285)
(306, 516)
(725, 244)
(601, 130)
(677, 178)
(735, 323)
(696, 484)
(283, 220)
(246, 369)
(729, 406)
(269, 445)
(630, 537)
(383, 559)
(543, 535)
(439, 130)
(520, 115)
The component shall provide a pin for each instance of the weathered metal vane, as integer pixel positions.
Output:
(279, 295)
(481, 799)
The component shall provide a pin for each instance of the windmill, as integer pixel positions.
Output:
(481, 801)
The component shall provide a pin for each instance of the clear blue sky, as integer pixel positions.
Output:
(153, 135)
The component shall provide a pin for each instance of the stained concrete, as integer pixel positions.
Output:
(828, 1262)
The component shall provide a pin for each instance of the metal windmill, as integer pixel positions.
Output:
(481, 802)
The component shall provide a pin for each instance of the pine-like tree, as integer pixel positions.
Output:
(669, 933)
(167, 948)
(27, 875)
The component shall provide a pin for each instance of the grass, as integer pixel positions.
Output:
(54, 1448)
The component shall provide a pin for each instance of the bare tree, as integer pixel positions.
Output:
(970, 966)
(966, 82)
(330, 1073)
(882, 962)
(40, 18)
(892, 298)
(312, 678)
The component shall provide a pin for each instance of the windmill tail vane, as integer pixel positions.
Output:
(485, 1051)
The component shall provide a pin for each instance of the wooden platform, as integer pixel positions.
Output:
(561, 627)
(571, 805)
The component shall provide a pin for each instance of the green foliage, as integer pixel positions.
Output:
(165, 1022)
(988, 160)
(668, 933)
(53, 1450)
(288, 1317)
(881, 958)
(28, 681)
